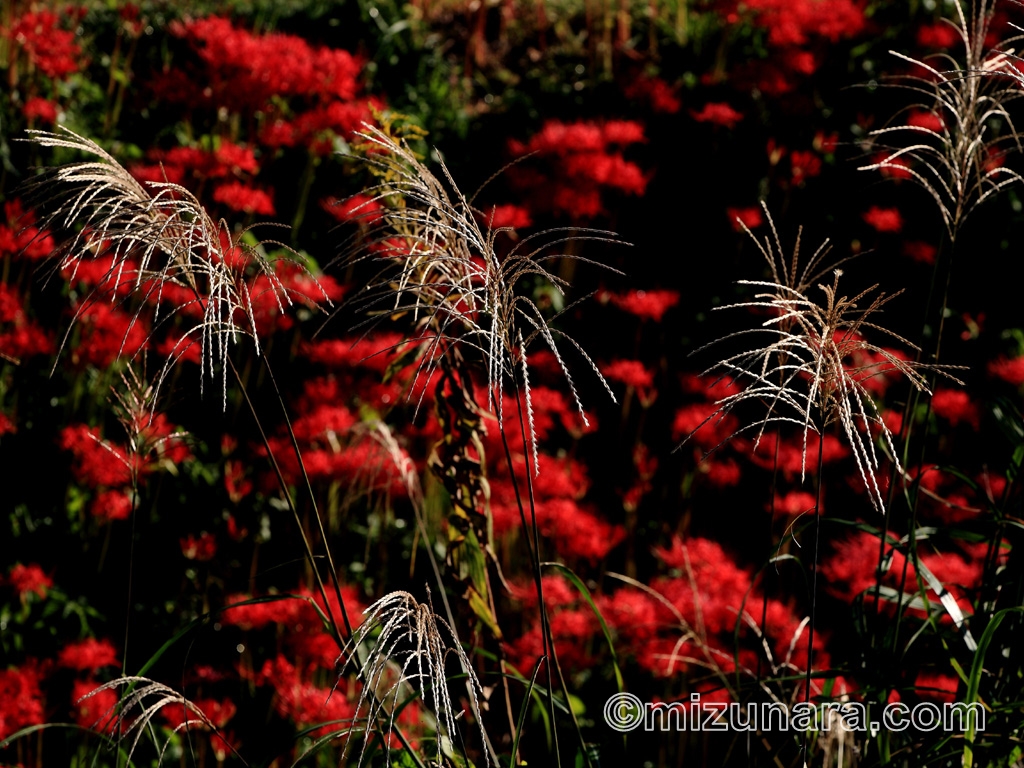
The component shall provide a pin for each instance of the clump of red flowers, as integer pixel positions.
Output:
(585, 162)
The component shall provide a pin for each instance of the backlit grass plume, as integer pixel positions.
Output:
(814, 362)
(443, 267)
(164, 249)
(949, 141)
(141, 701)
(408, 648)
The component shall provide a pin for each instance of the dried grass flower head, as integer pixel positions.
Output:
(165, 254)
(953, 141)
(405, 647)
(815, 361)
(440, 263)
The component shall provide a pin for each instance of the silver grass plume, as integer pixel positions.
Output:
(802, 373)
(441, 267)
(158, 235)
(959, 164)
(140, 703)
(403, 644)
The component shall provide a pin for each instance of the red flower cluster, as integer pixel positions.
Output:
(88, 655)
(21, 700)
(884, 219)
(301, 93)
(107, 468)
(19, 337)
(656, 93)
(647, 305)
(46, 45)
(795, 30)
(587, 161)
(20, 237)
(28, 579)
(718, 113)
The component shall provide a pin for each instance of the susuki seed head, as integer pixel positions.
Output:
(160, 240)
(440, 266)
(814, 361)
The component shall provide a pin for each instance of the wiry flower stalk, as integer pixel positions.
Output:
(813, 368)
(959, 161)
(409, 647)
(443, 268)
(160, 239)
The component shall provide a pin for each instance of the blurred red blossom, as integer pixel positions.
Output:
(21, 699)
(89, 654)
(202, 547)
(804, 164)
(794, 503)
(955, 406)
(920, 251)
(20, 237)
(586, 161)
(241, 197)
(717, 113)
(112, 505)
(1010, 370)
(935, 686)
(26, 579)
(750, 217)
(659, 95)
(632, 373)
(46, 45)
(93, 708)
(647, 305)
(359, 208)
(19, 337)
(884, 219)
(942, 34)
(41, 109)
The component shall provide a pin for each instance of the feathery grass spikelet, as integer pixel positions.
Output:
(406, 637)
(158, 235)
(442, 268)
(803, 374)
(960, 162)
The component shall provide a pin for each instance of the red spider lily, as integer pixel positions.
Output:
(750, 218)
(920, 251)
(97, 710)
(20, 237)
(955, 406)
(48, 47)
(38, 108)
(28, 579)
(884, 219)
(107, 334)
(718, 113)
(202, 547)
(804, 165)
(632, 373)
(303, 702)
(241, 197)
(940, 35)
(112, 505)
(19, 337)
(88, 655)
(647, 305)
(661, 97)
(1010, 370)
(796, 22)
(21, 700)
